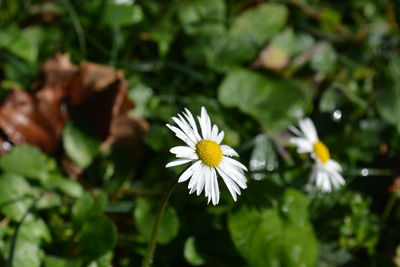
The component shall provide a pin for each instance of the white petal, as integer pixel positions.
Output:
(230, 184)
(303, 144)
(296, 131)
(308, 128)
(181, 122)
(199, 173)
(200, 183)
(327, 184)
(234, 174)
(190, 118)
(333, 165)
(313, 176)
(216, 187)
(189, 172)
(182, 150)
(212, 189)
(234, 163)
(214, 133)
(178, 162)
(205, 124)
(220, 137)
(228, 151)
(323, 181)
(334, 181)
(337, 179)
(207, 187)
(181, 135)
(327, 177)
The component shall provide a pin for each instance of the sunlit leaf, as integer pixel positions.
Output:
(275, 236)
(274, 103)
(26, 160)
(80, 147)
(15, 195)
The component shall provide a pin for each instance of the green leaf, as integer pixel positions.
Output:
(218, 117)
(225, 49)
(122, 15)
(79, 146)
(292, 43)
(51, 261)
(273, 236)
(259, 24)
(21, 43)
(26, 160)
(388, 104)
(324, 59)
(203, 17)
(26, 254)
(66, 185)
(34, 230)
(145, 213)
(14, 195)
(276, 104)
(104, 261)
(87, 207)
(141, 94)
(99, 235)
(191, 254)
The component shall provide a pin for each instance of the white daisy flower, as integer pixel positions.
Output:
(326, 171)
(208, 157)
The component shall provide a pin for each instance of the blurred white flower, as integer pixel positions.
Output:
(124, 2)
(326, 172)
(209, 157)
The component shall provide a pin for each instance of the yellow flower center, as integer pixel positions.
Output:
(321, 151)
(209, 152)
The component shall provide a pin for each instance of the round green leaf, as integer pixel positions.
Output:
(276, 104)
(273, 236)
(26, 160)
(99, 235)
(145, 213)
(14, 195)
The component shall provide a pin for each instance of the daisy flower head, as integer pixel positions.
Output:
(208, 157)
(326, 172)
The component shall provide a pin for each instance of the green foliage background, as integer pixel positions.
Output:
(258, 67)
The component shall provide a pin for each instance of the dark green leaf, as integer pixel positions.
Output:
(145, 212)
(388, 104)
(51, 261)
(276, 104)
(99, 235)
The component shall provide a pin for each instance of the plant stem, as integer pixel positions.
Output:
(148, 257)
(389, 206)
(14, 238)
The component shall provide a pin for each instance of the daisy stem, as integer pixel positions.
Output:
(148, 257)
(389, 206)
